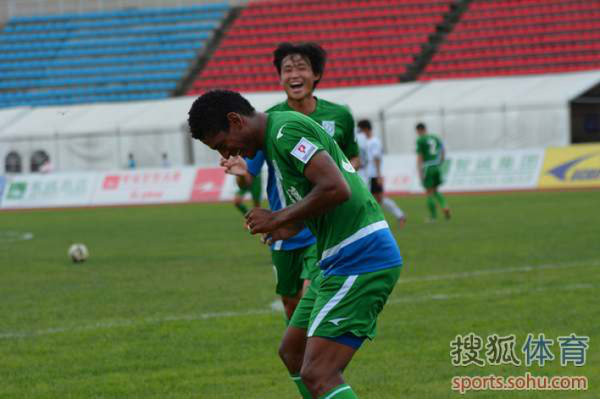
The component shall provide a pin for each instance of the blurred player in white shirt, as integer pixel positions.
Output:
(371, 157)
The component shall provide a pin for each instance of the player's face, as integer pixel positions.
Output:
(297, 77)
(236, 141)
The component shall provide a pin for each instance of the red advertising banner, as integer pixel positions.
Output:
(208, 185)
(144, 186)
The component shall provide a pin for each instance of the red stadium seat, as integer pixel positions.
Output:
(367, 41)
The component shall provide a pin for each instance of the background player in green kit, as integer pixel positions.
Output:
(359, 258)
(430, 157)
(253, 187)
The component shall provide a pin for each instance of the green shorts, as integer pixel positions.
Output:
(310, 269)
(255, 190)
(289, 267)
(336, 305)
(433, 177)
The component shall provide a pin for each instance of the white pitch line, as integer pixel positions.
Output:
(488, 293)
(414, 299)
(506, 270)
(132, 322)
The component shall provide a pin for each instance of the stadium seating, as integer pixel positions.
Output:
(118, 55)
(513, 37)
(368, 42)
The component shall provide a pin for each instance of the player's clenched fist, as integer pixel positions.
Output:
(261, 220)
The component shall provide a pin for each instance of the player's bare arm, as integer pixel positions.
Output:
(329, 189)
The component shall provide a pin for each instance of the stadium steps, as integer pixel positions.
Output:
(429, 49)
(200, 62)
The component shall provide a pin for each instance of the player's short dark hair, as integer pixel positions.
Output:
(208, 114)
(420, 126)
(308, 50)
(364, 124)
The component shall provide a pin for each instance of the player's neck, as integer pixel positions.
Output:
(306, 105)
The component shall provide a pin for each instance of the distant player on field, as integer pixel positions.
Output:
(430, 157)
(371, 160)
(359, 259)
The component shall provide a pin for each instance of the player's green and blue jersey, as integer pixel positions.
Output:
(277, 201)
(352, 238)
(431, 149)
(337, 121)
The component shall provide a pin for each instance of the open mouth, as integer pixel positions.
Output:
(296, 86)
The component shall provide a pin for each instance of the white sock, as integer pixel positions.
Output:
(391, 206)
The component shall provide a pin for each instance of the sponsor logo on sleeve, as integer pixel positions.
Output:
(304, 150)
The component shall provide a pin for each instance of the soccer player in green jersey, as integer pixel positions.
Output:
(430, 157)
(255, 190)
(300, 68)
(359, 259)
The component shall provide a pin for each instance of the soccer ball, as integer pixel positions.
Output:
(78, 252)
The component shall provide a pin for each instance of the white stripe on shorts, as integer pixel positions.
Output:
(332, 394)
(332, 302)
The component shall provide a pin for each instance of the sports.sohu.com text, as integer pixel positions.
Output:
(527, 382)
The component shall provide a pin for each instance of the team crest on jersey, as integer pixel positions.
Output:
(329, 127)
(348, 166)
(304, 150)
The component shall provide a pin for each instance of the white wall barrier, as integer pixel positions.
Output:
(464, 172)
(55, 190)
(2, 184)
(469, 171)
(123, 187)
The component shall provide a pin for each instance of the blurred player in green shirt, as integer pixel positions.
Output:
(430, 157)
(358, 256)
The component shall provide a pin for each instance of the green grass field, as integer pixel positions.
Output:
(175, 301)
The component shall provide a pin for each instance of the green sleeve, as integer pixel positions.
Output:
(297, 145)
(351, 145)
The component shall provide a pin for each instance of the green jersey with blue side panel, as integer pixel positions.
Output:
(352, 238)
